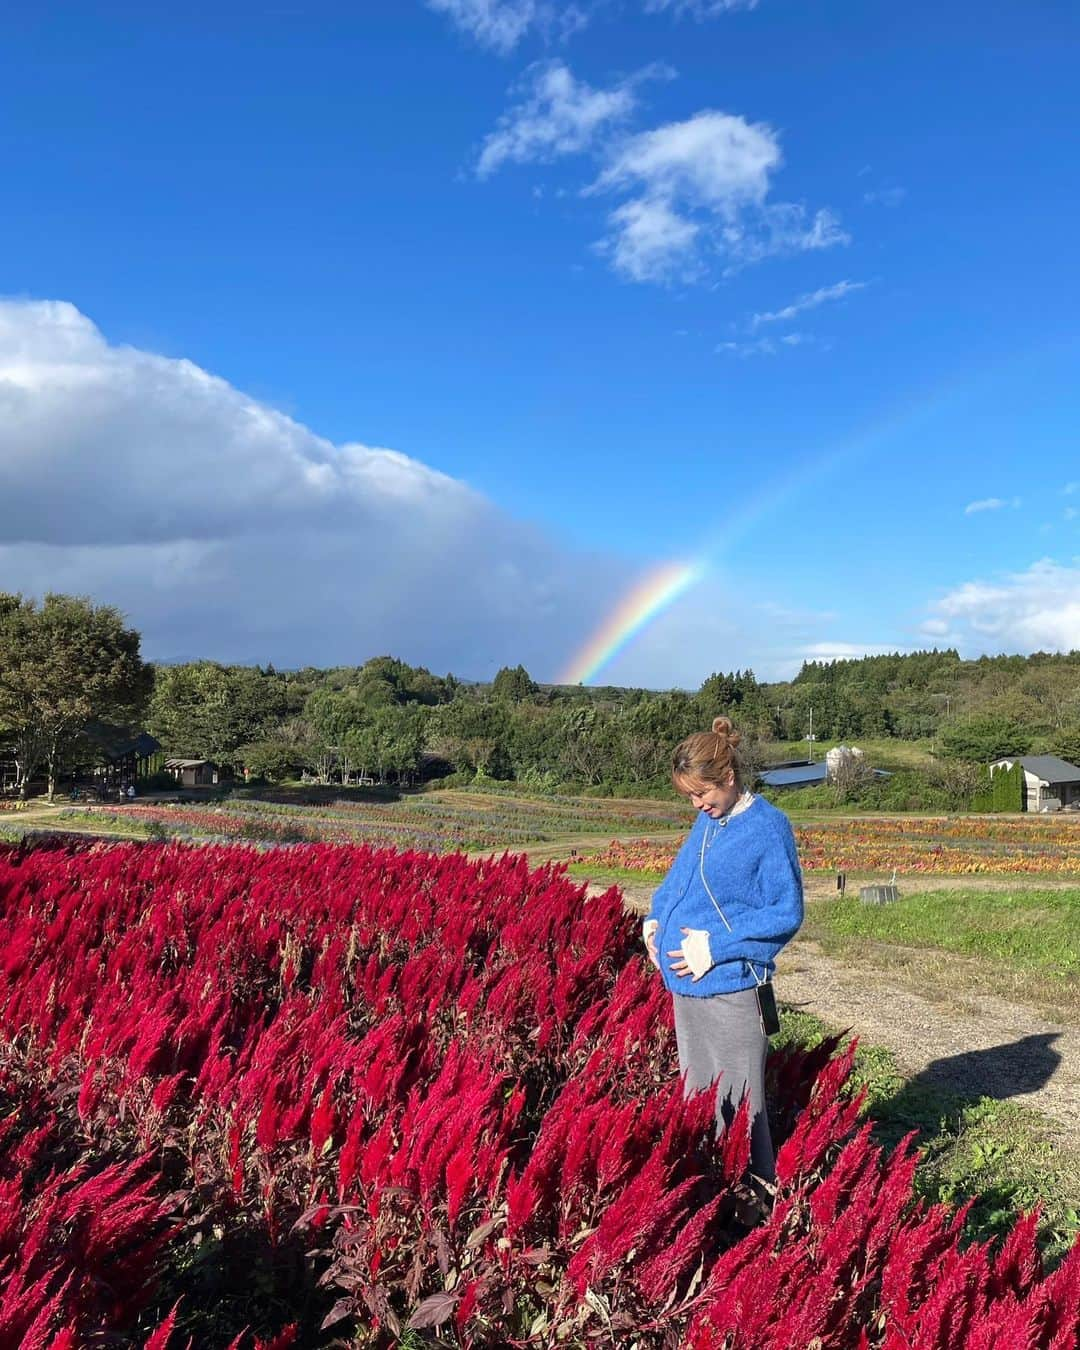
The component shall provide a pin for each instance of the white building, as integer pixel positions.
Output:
(1051, 782)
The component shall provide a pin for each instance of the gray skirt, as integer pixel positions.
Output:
(721, 1037)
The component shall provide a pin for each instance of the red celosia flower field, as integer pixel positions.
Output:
(328, 1095)
(961, 846)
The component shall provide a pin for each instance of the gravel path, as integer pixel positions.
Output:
(944, 1037)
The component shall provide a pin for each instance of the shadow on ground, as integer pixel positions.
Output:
(1000, 1072)
(975, 1146)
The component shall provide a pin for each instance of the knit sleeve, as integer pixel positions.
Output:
(678, 874)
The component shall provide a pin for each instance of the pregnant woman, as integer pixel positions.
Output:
(732, 899)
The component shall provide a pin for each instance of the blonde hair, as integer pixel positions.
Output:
(708, 756)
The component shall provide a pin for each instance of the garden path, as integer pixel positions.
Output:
(944, 1036)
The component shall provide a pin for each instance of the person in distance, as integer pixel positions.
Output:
(730, 901)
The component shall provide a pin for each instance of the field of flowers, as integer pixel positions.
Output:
(337, 1096)
(961, 846)
(436, 822)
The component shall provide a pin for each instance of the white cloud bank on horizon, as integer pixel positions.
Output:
(850, 651)
(226, 530)
(1036, 610)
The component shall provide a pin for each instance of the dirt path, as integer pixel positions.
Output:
(965, 1042)
(968, 1043)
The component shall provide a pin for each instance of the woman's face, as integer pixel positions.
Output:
(712, 799)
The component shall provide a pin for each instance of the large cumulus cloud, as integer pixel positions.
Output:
(226, 529)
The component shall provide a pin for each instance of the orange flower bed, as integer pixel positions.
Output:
(934, 846)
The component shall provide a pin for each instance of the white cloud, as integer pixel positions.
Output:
(1071, 512)
(227, 530)
(695, 191)
(1069, 489)
(934, 627)
(651, 242)
(889, 196)
(779, 228)
(557, 115)
(698, 9)
(756, 347)
(764, 346)
(713, 172)
(1036, 610)
(713, 158)
(499, 24)
(990, 504)
(494, 23)
(838, 291)
(502, 24)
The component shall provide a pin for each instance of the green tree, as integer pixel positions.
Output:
(514, 685)
(276, 759)
(473, 735)
(1066, 744)
(63, 664)
(398, 742)
(984, 738)
(331, 715)
(1007, 790)
(208, 710)
(983, 797)
(587, 744)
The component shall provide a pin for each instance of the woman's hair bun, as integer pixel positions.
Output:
(723, 726)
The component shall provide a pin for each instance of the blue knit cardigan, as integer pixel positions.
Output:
(752, 869)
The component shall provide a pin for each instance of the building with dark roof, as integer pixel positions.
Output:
(800, 774)
(796, 775)
(1050, 783)
(193, 772)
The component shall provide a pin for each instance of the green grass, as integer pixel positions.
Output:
(1001, 1155)
(1036, 931)
(882, 754)
(612, 876)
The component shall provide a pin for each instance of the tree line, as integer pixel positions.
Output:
(66, 661)
(387, 719)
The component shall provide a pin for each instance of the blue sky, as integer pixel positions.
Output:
(791, 287)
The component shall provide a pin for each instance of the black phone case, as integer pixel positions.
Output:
(766, 1001)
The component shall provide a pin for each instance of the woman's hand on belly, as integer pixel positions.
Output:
(693, 958)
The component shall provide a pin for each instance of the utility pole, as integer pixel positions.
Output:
(810, 736)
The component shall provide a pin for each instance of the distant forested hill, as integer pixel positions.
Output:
(388, 719)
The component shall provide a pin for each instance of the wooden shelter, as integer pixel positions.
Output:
(193, 772)
(123, 757)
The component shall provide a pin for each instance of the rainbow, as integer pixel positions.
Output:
(664, 584)
(653, 594)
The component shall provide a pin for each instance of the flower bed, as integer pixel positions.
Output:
(963, 846)
(334, 1092)
(437, 822)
